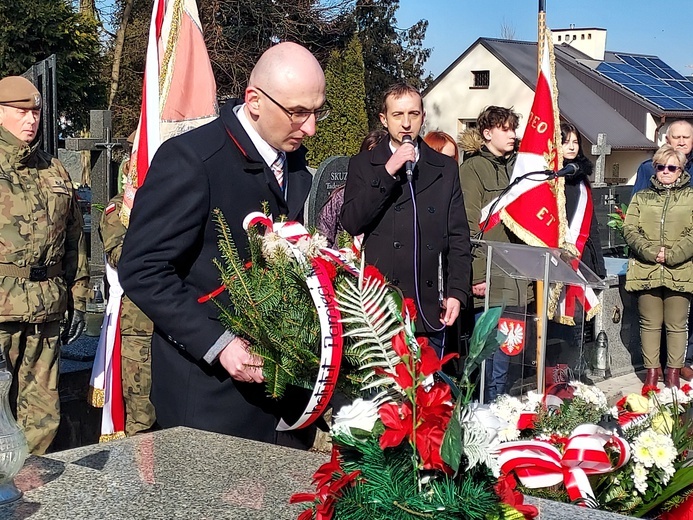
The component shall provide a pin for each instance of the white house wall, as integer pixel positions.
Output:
(452, 100)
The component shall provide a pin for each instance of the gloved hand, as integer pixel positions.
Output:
(78, 323)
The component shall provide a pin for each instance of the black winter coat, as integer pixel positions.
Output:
(380, 206)
(166, 265)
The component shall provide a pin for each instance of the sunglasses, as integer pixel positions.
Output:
(669, 167)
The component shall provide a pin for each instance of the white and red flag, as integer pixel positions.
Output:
(534, 207)
(179, 93)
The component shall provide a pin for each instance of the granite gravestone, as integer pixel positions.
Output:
(331, 174)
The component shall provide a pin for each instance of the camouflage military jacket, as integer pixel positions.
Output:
(112, 231)
(40, 225)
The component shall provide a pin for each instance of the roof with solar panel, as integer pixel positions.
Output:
(620, 94)
(650, 78)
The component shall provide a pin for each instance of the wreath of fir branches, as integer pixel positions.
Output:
(271, 308)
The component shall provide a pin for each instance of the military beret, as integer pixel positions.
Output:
(18, 92)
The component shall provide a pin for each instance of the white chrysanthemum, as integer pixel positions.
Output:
(668, 473)
(509, 433)
(648, 438)
(507, 408)
(643, 455)
(534, 401)
(311, 246)
(317, 243)
(591, 394)
(274, 247)
(640, 478)
(361, 414)
(349, 256)
(664, 453)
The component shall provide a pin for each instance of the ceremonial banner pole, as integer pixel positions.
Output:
(539, 292)
(533, 209)
(541, 29)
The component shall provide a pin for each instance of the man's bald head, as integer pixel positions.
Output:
(287, 80)
(283, 65)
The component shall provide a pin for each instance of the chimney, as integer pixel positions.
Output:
(590, 41)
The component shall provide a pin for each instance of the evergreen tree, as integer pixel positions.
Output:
(32, 30)
(389, 54)
(342, 132)
(236, 33)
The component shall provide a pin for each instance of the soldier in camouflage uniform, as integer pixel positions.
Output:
(43, 263)
(135, 331)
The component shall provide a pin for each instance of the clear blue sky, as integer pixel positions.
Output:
(664, 29)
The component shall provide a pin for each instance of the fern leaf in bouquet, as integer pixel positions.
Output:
(367, 316)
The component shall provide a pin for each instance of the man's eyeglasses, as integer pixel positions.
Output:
(669, 167)
(301, 116)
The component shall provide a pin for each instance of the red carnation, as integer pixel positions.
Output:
(398, 424)
(399, 345)
(410, 308)
(326, 266)
(372, 272)
(649, 388)
(507, 492)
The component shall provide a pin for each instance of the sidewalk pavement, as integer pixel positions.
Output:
(617, 387)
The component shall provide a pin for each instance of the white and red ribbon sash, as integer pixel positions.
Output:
(540, 464)
(577, 235)
(106, 379)
(322, 292)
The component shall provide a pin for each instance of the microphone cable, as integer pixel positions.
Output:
(417, 291)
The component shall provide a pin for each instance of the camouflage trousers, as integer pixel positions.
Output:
(136, 372)
(32, 351)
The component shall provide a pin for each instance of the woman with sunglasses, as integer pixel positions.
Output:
(659, 231)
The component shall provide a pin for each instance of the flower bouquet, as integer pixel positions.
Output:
(629, 459)
(282, 302)
(413, 446)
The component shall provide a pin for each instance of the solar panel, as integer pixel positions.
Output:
(644, 90)
(671, 104)
(650, 78)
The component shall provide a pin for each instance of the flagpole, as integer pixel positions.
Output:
(540, 289)
(541, 27)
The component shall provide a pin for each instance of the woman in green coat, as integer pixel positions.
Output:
(659, 231)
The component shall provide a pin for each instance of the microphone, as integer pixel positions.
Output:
(408, 166)
(568, 170)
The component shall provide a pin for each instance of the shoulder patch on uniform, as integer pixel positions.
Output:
(110, 208)
(58, 185)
